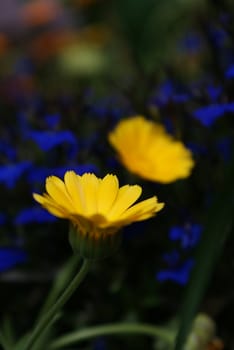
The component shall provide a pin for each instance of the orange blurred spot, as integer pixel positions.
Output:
(39, 12)
(4, 43)
(96, 34)
(215, 344)
(50, 43)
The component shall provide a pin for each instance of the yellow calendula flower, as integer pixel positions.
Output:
(147, 150)
(96, 207)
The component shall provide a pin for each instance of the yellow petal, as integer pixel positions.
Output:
(90, 183)
(136, 212)
(57, 190)
(75, 190)
(107, 192)
(127, 195)
(50, 205)
(56, 211)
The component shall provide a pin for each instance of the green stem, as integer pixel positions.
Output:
(45, 320)
(112, 329)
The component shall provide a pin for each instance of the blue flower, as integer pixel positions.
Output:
(179, 274)
(52, 120)
(167, 92)
(207, 115)
(191, 43)
(10, 173)
(229, 74)
(218, 36)
(46, 140)
(9, 257)
(33, 215)
(188, 235)
(7, 150)
(214, 92)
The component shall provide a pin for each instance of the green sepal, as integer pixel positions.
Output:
(90, 247)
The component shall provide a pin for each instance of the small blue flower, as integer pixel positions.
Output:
(229, 74)
(9, 257)
(179, 274)
(191, 43)
(166, 92)
(46, 140)
(33, 215)
(188, 235)
(214, 92)
(52, 120)
(8, 150)
(207, 115)
(218, 36)
(10, 173)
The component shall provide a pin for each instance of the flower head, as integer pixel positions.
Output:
(96, 207)
(146, 149)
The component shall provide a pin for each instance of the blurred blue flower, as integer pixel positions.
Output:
(179, 274)
(9, 257)
(188, 235)
(166, 92)
(214, 92)
(190, 43)
(8, 151)
(39, 174)
(207, 115)
(10, 173)
(52, 120)
(33, 215)
(229, 74)
(23, 124)
(218, 36)
(46, 140)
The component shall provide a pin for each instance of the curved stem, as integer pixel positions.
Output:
(45, 320)
(112, 329)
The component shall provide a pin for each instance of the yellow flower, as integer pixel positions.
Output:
(146, 149)
(97, 208)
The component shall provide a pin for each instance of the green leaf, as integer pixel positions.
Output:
(218, 225)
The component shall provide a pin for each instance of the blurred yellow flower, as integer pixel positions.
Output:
(96, 207)
(146, 149)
